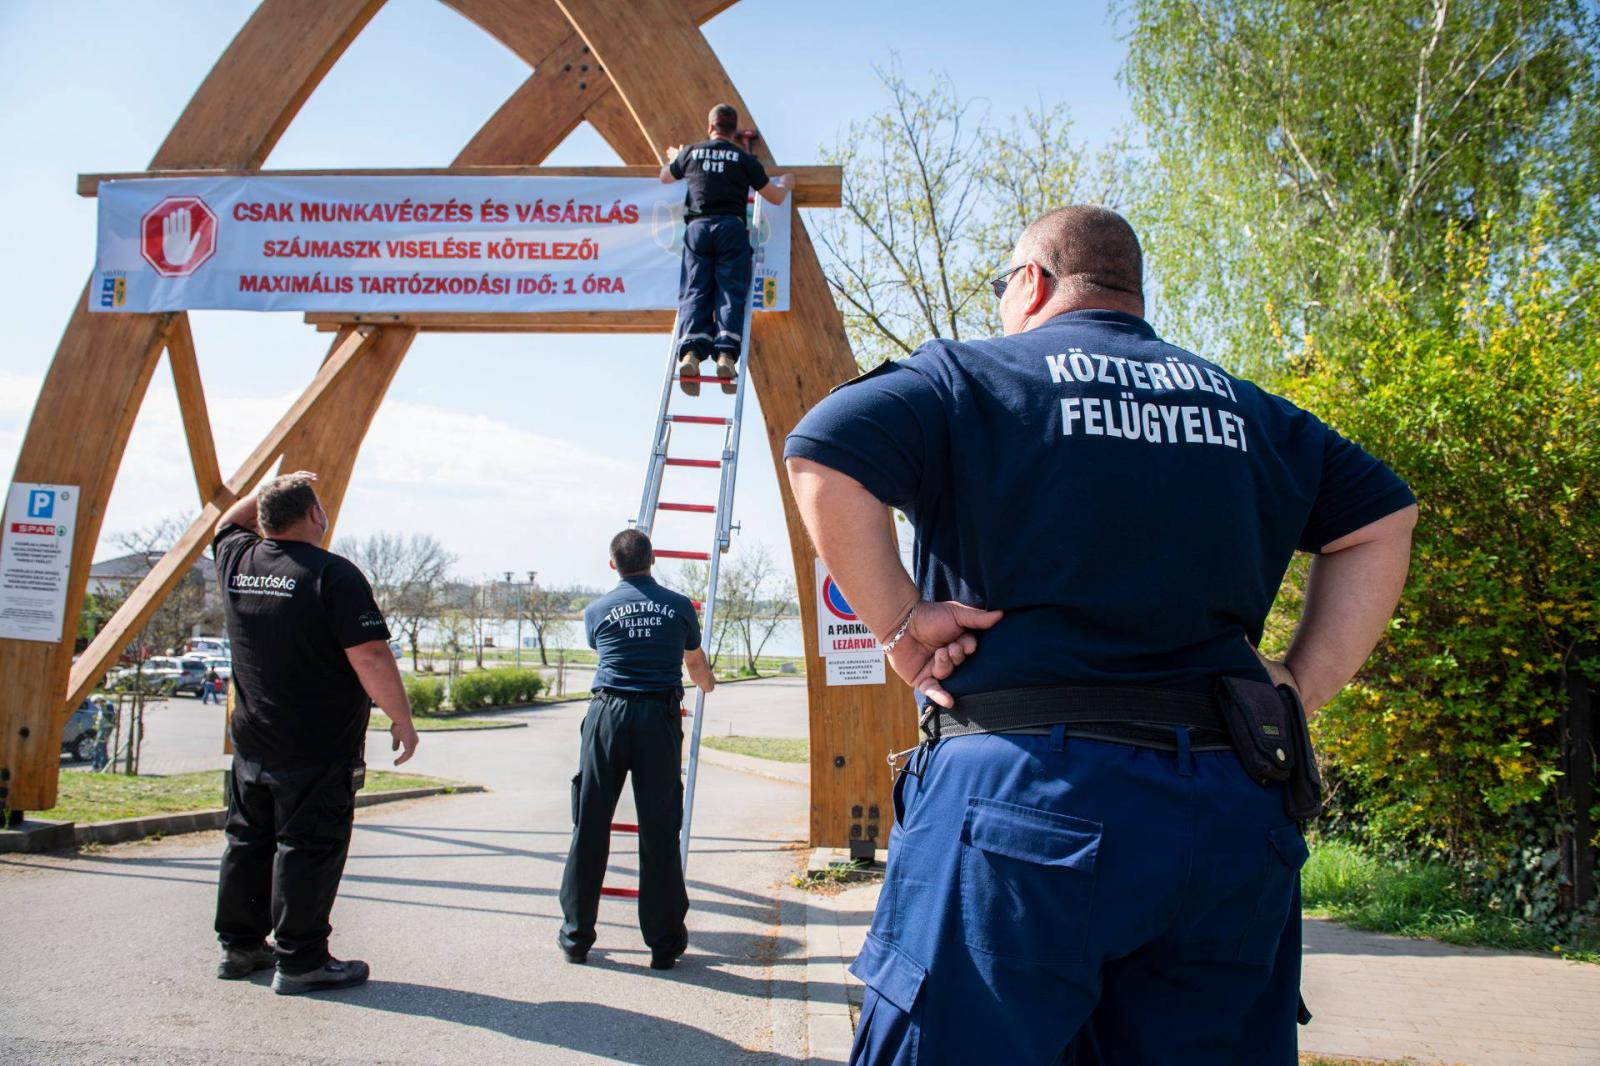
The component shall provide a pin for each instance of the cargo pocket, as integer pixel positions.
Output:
(1027, 882)
(890, 1027)
(1286, 853)
(336, 804)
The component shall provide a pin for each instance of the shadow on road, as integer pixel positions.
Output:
(590, 1028)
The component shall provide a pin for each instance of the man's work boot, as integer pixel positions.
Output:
(332, 974)
(668, 958)
(688, 367)
(239, 963)
(727, 367)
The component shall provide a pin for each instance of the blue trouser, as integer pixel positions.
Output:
(1053, 899)
(714, 285)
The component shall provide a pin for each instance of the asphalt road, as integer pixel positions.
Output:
(107, 956)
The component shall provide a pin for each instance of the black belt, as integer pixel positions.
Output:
(1137, 715)
(667, 695)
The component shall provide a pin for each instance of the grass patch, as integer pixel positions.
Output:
(441, 725)
(832, 880)
(1414, 899)
(90, 797)
(778, 749)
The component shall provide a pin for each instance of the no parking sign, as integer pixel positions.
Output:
(852, 654)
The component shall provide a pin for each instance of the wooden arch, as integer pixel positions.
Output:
(642, 74)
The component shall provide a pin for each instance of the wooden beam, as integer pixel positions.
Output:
(192, 406)
(170, 569)
(329, 445)
(613, 121)
(815, 186)
(514, 322)
(103, 364)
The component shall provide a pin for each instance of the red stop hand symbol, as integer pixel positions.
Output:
(178, 235)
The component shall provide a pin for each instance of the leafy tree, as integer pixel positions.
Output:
(934, 198)
(408, 576)
(1304, 156)
(1492, 414)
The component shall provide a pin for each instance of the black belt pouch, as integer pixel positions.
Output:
(1268, 728)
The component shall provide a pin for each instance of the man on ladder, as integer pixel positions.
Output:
(714, 286)
(643, 632)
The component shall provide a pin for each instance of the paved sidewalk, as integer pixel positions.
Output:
(107, 956)
(1373, 996)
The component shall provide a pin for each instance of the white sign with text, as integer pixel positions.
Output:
(35, 560)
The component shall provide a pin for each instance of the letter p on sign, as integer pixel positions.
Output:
(41, 503)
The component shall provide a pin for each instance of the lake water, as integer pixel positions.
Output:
(785, 643)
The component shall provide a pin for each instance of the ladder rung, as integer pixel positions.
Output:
(710, 464)
(703, 379)
(696, 508)
(623, 827)
(700, 420)
(622, 893)
(668, 553)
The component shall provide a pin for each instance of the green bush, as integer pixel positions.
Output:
(1446, 745)
(495, 688)
(1421, 899)
(426, 695)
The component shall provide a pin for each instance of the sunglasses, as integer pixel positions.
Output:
(998, 283)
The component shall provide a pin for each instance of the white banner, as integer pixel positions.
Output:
(35, 558)
(851, 653)
(437, 243)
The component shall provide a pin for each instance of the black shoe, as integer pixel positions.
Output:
(239, 963)
(689, 367)
(332, 974)
(666, 960)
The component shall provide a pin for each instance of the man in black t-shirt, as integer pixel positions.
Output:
(1095, 854)
(714, 285)
(646, 636)
(310, 655)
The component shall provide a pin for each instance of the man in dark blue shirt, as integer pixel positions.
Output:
(714, 285)
(646, 635)
(1078, 864)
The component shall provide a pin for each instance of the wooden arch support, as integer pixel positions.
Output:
(618, 64)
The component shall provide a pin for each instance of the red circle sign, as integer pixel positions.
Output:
(835, 601)
(178, 235)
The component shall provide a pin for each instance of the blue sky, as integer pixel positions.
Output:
(519, 452)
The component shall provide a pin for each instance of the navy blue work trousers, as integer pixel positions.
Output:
(713, 286)
(627, 734)
(1061, 900)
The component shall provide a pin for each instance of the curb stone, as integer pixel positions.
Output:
(122, 830)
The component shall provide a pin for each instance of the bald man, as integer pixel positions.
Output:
(1096, 849)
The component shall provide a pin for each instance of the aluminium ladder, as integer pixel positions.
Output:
(650, 504)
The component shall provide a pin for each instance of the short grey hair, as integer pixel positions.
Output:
(283, 501)
(1086, 248)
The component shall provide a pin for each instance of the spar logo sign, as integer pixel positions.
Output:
(834, 600)
(178, 235)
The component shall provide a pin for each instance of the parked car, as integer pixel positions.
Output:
(78, 739)
(208, 646)
(192, 674)
(158, 671)
(395, 646)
